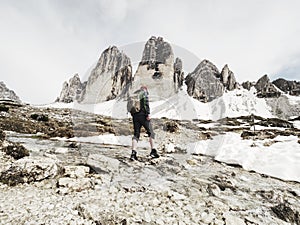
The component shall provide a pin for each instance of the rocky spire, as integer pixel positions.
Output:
(71, 90)
(178, 73)
(204, 83)
(110, 77)
(157, 51)
(157, 70)
(7, 94)
(289, 87)
(228, 79)
(265, 89)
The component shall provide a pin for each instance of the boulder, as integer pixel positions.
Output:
(39, 117)
(275, 122)
(286, 213)
(260, 134)
(102, 164)
(76, 171)
(2, 135)
(67, 184)
(231, 219)
(15, 150)
(27, 170)
(4, 108)
(171, 126)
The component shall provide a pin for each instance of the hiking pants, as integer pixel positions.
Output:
(140, 120)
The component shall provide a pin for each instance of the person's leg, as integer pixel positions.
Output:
(134, 144)
(148, 126)
(137, 129)
(151, 142)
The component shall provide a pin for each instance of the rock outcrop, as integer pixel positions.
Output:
(157, 70)
(248, 85)
(204, 83)
(228, 79)
(265, 89)
(71, 90)
(178, 73)
(111, 76)
(15, 150)
(289, 87)
(27, 170)
(7, 94)
(157, 52)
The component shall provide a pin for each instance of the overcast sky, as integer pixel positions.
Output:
(45, 42)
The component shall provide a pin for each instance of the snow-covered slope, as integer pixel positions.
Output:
(280, 160)
(183, 107)
(239, 102)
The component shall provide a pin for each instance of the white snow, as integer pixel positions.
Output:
(239, 103)
(183, 107)
(279, 160)
(259, 127)
(293, 100)
(296, 124)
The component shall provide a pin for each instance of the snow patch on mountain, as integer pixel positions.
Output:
(293, 100)
(181, 106)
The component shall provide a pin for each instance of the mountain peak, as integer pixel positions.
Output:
(265, 89)
(157, 51)
(111, 75)
(289, 87)
(71, 90)
(228, 79)
(204, 83)
(7, 94)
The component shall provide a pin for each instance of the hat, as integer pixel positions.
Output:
(144, 87)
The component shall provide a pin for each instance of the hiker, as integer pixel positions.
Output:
(141, 117)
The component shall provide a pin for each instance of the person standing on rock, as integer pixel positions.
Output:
(141, 118)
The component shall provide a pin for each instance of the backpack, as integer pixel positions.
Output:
(134, 103)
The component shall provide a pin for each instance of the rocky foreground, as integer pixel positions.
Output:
(46, 180)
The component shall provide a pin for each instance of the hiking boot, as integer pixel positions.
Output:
(133, 155)
(154, 153)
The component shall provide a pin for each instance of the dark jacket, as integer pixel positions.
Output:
(144, 100)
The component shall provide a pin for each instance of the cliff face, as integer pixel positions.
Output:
(206, 83)
(110, 77)
(203, 83)
(178, 73)
(228, 79)
(265, 89)
(289, 87)
(164, 76)
(7, 94)
(158, 71)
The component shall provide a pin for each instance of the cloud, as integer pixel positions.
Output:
(44, 43)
